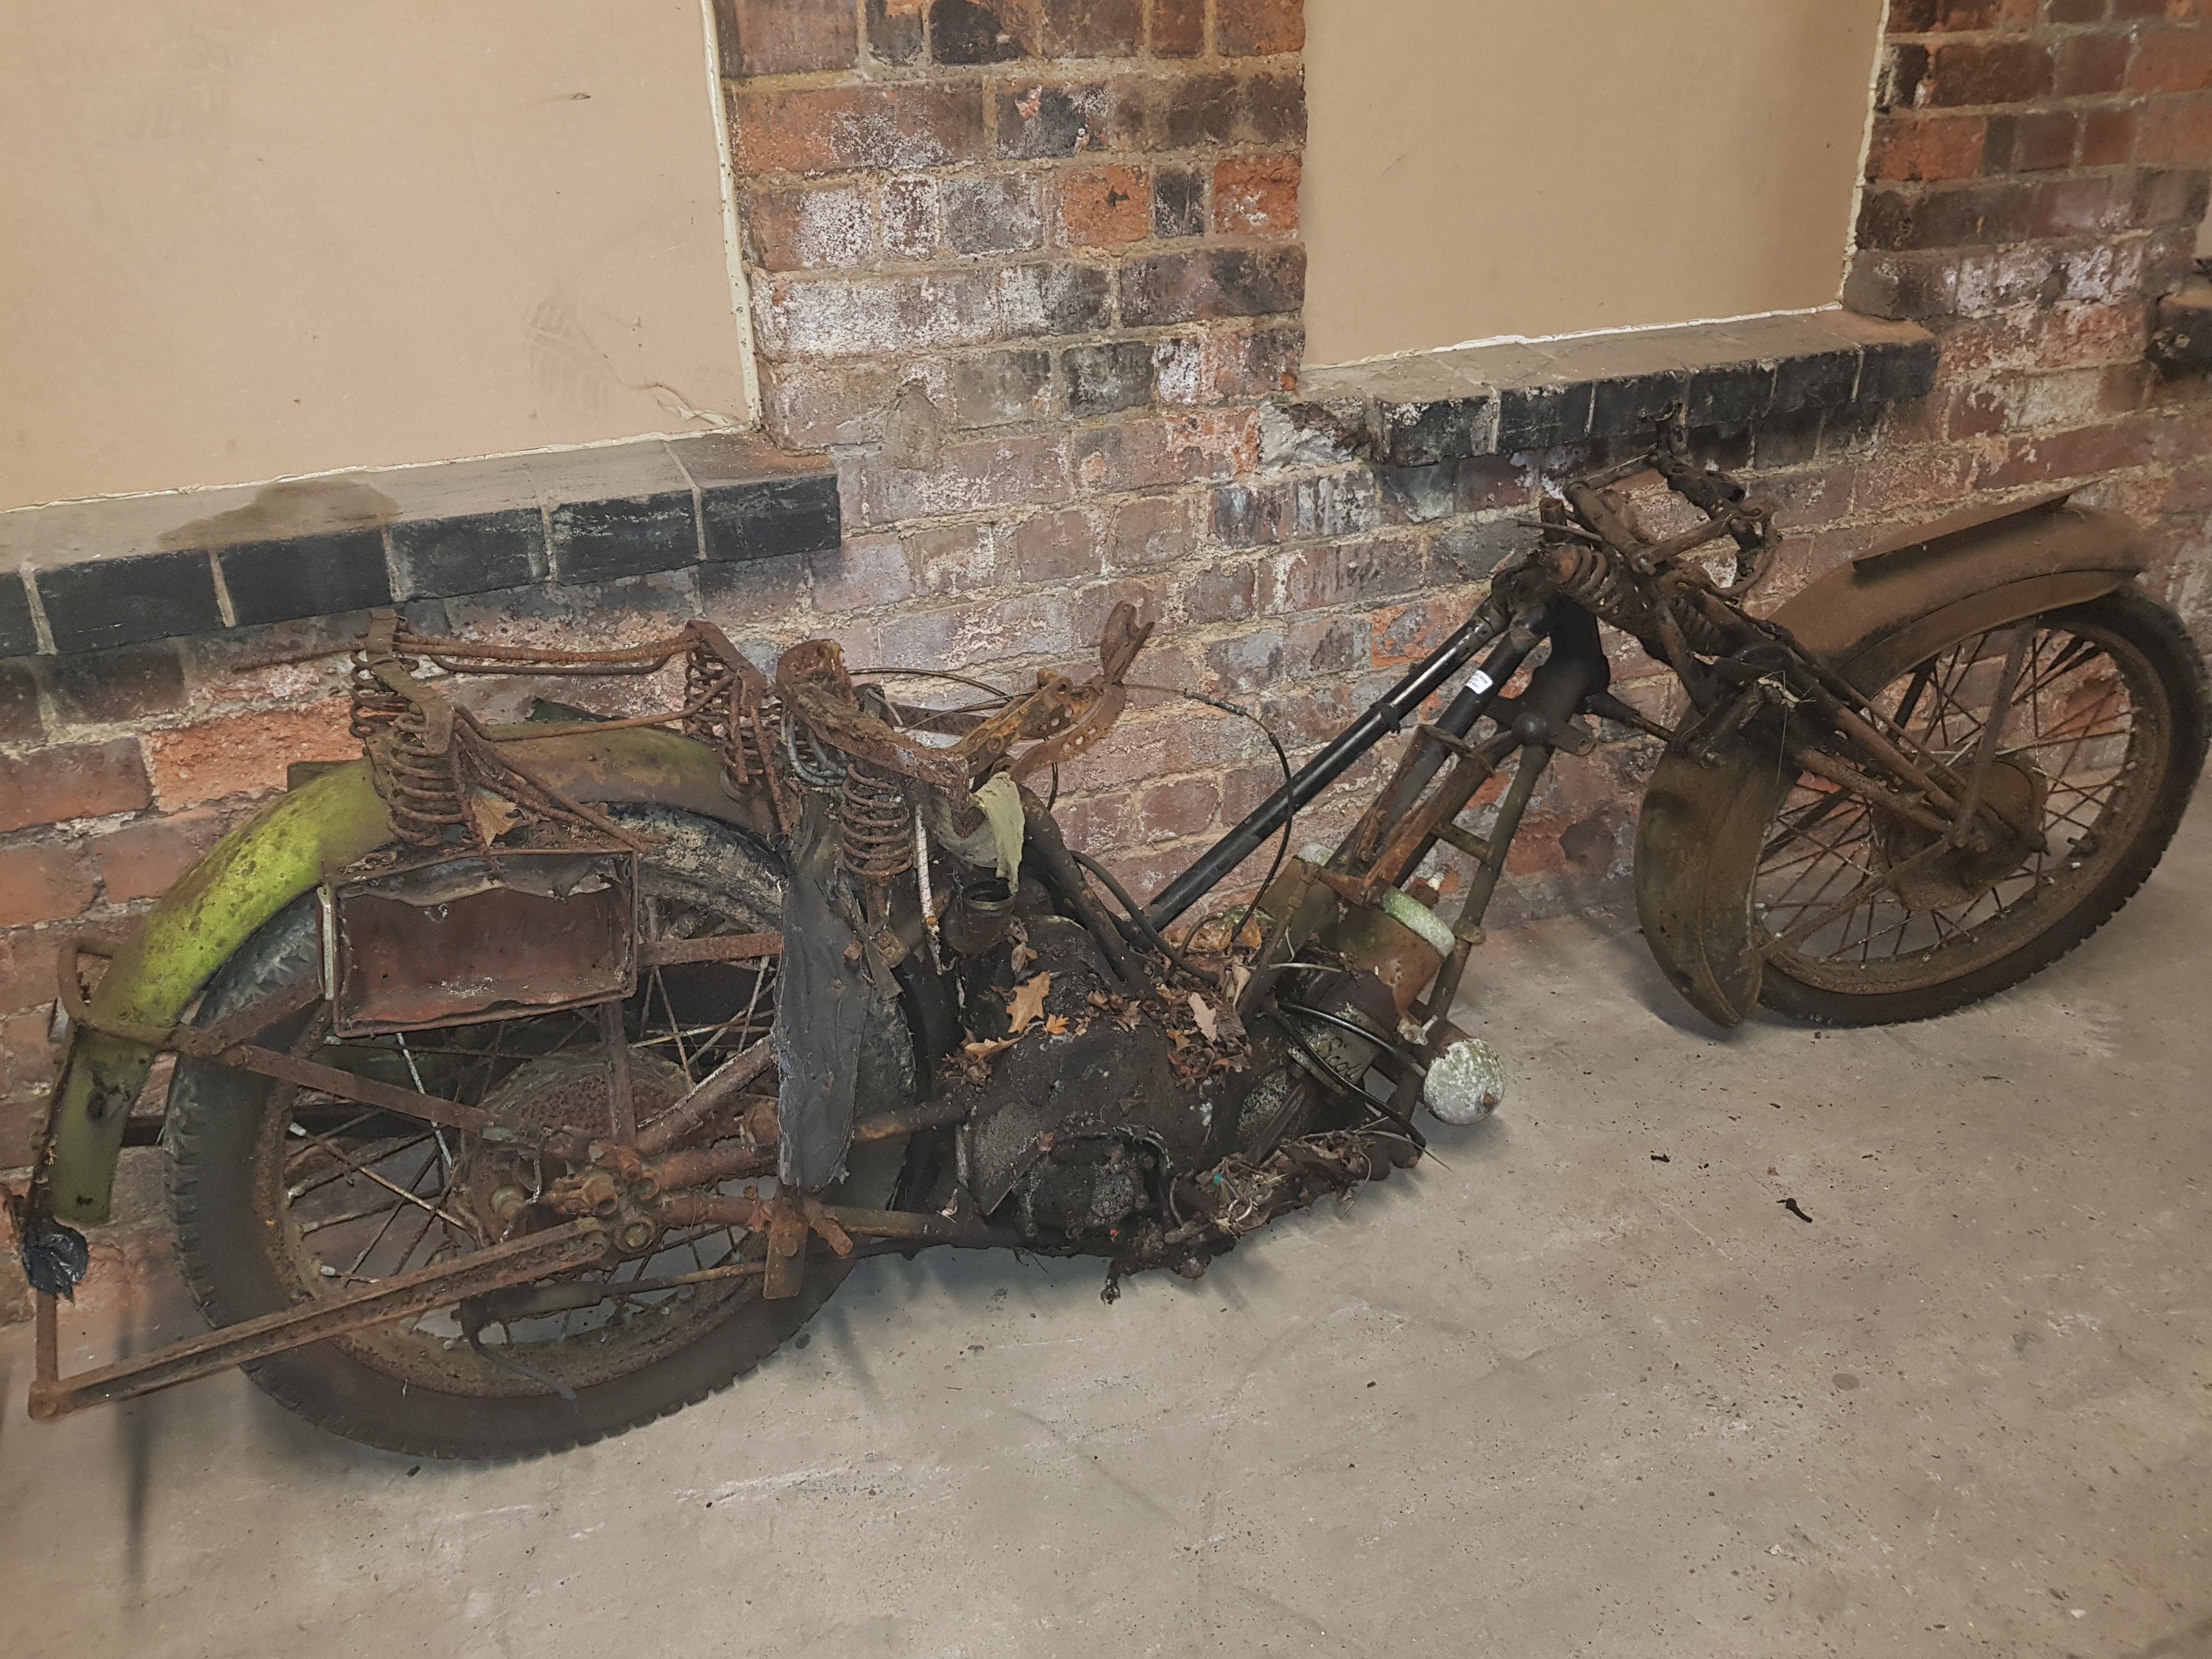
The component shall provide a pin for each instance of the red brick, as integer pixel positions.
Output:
(786, 37)
(27, 1060)
(1151, 454)
(2047, 141)
(2176, 132)
(72, 780)
(1988, 72)
(1102, 206)
(1908, 147)
(1222, 593)
(2172, 60)
(2108, 137)
(44, 881)
(1253, 28)
(1257, 195)
(247, 754)
(1148, 532)
(2079, 207)
(809, 230)
(2087, 452)
(1181, 288)
(1928, 16)
(2091, 65)
(1185, 807)
(142, 859)
(1178, 28)
(1091, 28)
(2168, 198)
(27, 959)
(968, 477)
(830, 129)
(878, 316)
(1406, 634)
(2061, 338)
(1052, 547)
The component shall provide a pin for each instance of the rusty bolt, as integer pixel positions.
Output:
(635, 1236)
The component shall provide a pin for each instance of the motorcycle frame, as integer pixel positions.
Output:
(339, 818)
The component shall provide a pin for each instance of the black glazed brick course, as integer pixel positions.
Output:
(1422, 435)
(306, 576)
(1900, 372)
(1542, 417)
(1822, 381)
(1628, 406)
(1731, 394)
(106, 602)
(438, 558)
(18, 638)
(766, 520)
(600, 541)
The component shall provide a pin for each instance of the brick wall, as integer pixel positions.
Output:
(1030, 270)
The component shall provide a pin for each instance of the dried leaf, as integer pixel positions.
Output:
(1021, 956)
(1099, 1001)
(1202, 1012)
(492, 815)
(1181, 1039)
(1249, 935)
(1055, 1025)
(983, 1051)
(1239, 977)
(1028, 1003)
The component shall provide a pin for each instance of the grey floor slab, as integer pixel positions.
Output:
(1550, 1396)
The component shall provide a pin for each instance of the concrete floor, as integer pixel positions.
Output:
(1550, 1396)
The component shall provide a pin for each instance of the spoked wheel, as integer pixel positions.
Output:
(2099, 744)
(280, 1195)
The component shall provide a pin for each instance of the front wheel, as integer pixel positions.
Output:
(280, 1195)
(2099, 745)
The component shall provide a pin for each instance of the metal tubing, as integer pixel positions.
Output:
(575, 1245)
(1385, 716)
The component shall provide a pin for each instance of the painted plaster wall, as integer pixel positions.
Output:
(246, 240)
(1484, 167)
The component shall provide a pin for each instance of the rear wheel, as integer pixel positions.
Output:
(280, 1195)
(2100, 744)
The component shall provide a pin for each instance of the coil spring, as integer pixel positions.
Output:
(878, 824)
(422, 792)
(1602, 583)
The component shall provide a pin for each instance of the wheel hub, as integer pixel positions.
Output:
(2017, 791)
(500, 1182)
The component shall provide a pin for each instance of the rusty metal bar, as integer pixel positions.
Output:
(621, 1102)
(729, 947)
(712, 1092)
(1992, 733)
(577, 1244)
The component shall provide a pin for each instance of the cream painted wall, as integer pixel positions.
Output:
(248, 238)
(1478, 168)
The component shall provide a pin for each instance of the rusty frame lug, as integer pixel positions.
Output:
(559, 1250)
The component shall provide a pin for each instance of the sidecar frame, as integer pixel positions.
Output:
(1702, 828)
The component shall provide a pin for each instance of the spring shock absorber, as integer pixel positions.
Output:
(1600, 581)
(879, 825)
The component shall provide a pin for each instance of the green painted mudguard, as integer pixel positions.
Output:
(262, 867)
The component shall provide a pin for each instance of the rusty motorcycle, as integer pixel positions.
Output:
(533, 1081)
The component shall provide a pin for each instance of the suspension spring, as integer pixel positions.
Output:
(1602, 582)
(879, 825)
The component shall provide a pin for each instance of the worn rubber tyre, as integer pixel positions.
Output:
(219, 1129)
(2154, 658)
